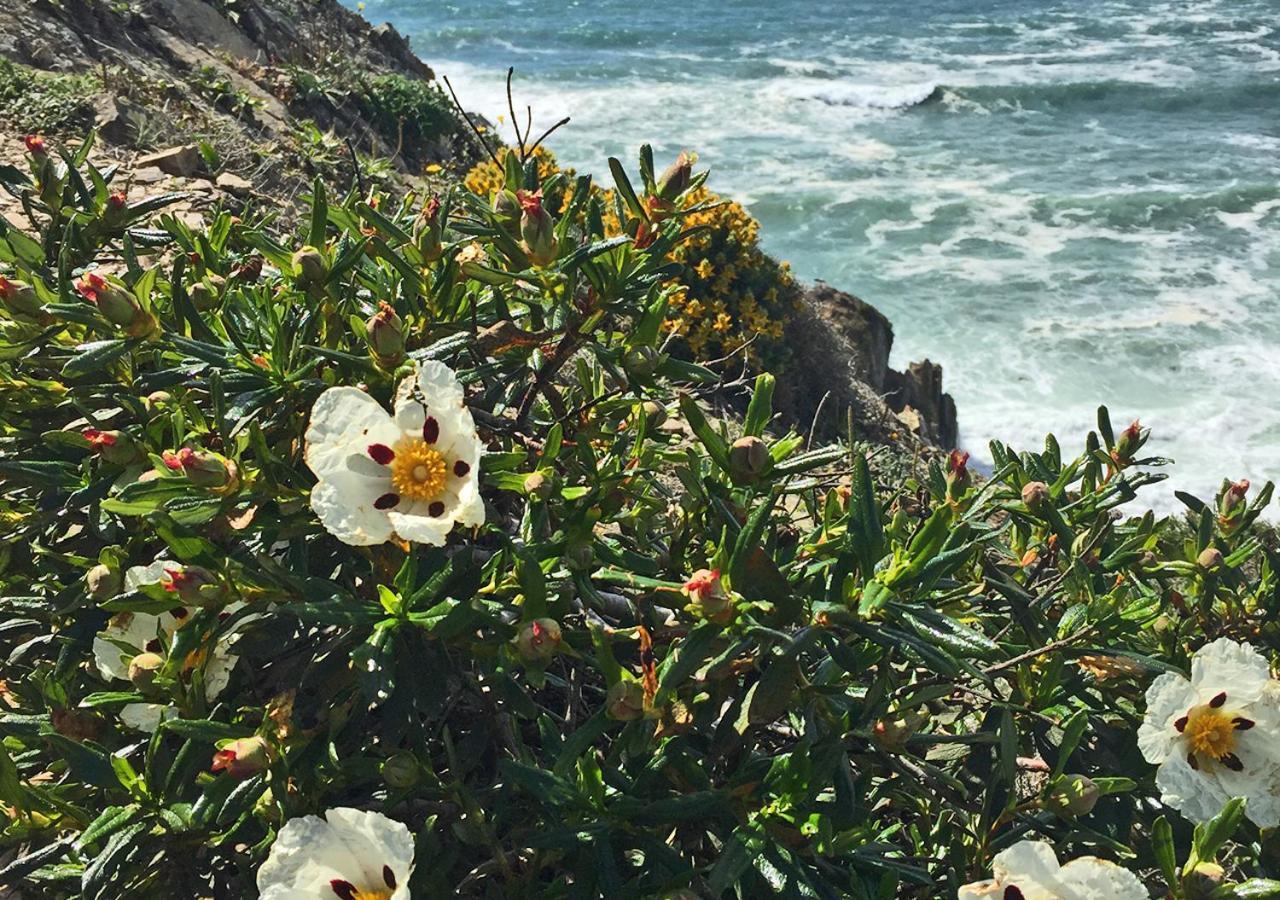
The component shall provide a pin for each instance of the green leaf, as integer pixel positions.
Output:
(1211, 835)
(1163, 849)
(711, 440)
(760, 410)
(95, 356)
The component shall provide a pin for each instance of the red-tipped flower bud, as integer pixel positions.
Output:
(194, 585)
(117, 305)
(708, 597)
(675, 180)
(538, 641)
(537, 228)
(115, 447)
(385, 331)
(20, 298)
(428, 231)
(243, 758)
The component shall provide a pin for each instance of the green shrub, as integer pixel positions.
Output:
(632, 652)
(409, 113)
(34, 101)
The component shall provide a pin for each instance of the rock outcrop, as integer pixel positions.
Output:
(841, 346)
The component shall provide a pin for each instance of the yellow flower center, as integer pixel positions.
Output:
(418, 470)
(371, 895)
(1210, 732)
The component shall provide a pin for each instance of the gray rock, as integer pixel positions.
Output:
(184, 161)
(840, 349)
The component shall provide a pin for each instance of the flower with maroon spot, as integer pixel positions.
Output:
(1029, 870)
(1214, 736)
(350, 854)
(129, 633)
(410, 475)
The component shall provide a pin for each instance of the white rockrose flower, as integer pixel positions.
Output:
(350, 854)
(413, 475)
(1029, 870)
(131, 635)
(1216, 736)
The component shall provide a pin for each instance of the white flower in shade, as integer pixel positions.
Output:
(412, 475)
(1029, 870)
(350, 854)
(1216, 736)
(129, 634)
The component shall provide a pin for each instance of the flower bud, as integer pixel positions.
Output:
(143, 669)
(20, 298)
(675, 180)
(206, 293)
(537, 229)
(243, 758)
(1035, 494)
(310, 267)
(539, 486)
(641, 362)
(204, 468)
(958, 478)
(117, 205)
(748, 459)
(115, 447)
(708, 597)
(117, 305)
(385, 331)
(428, 231)
(401, 771)
(195, 585)
(1231, 505)
(36, 146)
(625, 700)
(538, 641)
(1210, 558)
(1203, 882)
(156, 401)
(1129, 443)
(1074, 795)
(102, 582)
(506, 209)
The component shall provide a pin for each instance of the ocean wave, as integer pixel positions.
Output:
(862, 96)
(1111, 94)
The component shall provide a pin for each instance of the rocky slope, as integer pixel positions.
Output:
(240, 103)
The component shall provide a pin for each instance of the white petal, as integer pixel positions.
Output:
(1168, 699)
(345, 420)
(134, 630)
(415, 525)
(1196, 795)
(1026, 864)
(981, 890)
(305, 857)
(136, 576)
(344, 503)
(469, 510)
(217, 673)
(1088, 878)
(436, 382)
(350, 844)
(1225, 665)
(377, 841)
(146, 716)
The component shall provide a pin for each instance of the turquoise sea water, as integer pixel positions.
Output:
(1065, 203)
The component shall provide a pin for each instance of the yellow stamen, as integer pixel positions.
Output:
(1210, 732)
(418, 470)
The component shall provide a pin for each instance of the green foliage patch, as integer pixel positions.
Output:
(681, 656)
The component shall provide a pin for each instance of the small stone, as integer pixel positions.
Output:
(234, 184)
(185, 161)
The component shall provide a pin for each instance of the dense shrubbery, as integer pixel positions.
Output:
(730, 295)
(635, 652)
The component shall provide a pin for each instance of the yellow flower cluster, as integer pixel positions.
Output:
(732, 292)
